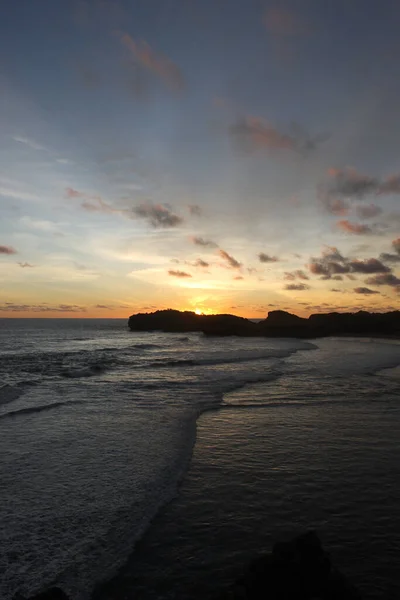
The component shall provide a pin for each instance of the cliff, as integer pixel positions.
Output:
(278, 324)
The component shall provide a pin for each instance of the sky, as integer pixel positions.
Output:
(234, 156)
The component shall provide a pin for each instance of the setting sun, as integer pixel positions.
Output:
(198, 311)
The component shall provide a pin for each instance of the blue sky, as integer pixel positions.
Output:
(130, 130)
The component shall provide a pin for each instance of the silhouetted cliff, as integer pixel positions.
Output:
(278, 324)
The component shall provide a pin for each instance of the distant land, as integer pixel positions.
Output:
(277, 324)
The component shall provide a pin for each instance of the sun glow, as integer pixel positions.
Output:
(198, 311)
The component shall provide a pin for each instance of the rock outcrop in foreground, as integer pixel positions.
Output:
(295, 570)
(278, 324)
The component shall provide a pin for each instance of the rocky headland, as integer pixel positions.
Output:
(277, 324)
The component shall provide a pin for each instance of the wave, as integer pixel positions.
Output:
(88, 371)
(40, 408)
(8, 393)
(222, 360)
(146, 346)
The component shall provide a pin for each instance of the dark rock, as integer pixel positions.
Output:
(296, 570)
(278, 324)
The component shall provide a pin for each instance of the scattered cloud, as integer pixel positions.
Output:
(44, 307)
(266, 258)
(252, 134)
(387, 257)
(396, 245)
(180, 274)
(238, 277)
(230, 259)
(346, 185)
(24, 265)
(292, 275)
(384, 279)
(354, 228)
(368, 266)
(199, 241)
(300, 287)
(7, 250)
(364, 290)
(201, 263)
(157, 63)
(369, 211)
(157, 215)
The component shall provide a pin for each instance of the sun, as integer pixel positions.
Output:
(198, 311)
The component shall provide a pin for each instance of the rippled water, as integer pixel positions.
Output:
(97, 427)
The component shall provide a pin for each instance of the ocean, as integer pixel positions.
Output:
(155, 465)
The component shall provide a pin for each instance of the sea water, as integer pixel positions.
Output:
(98, 425)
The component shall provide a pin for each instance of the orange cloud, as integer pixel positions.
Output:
(180, 274)
(235, 264)
(158, 64)
(356, 228)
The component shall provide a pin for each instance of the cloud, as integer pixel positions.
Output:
(348, 184)
(368, 266)
(369, 211)
(300, 287)
(158, 64)
(364, 290)
(386, 257)
(238, 277)
(157, 215)
(396, 245)
(281, 22)
(299, 274)
(354, 228)
(25, 264)
(28, 142)
(195, 210)
(71, 193)
(105, 306)
(7, 250)
(252, 134)
(199, 241)
(384, 279)
(201, 263)
(230, 259)
(180, 274)
(266, 258)
(44, 307)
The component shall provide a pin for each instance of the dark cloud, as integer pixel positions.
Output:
(384, 279)
(181, 274)
(105, 306)
(337, 277)
(154, 62)
(201, 263)
(157, 215)
(266, 258)
(235, 264)
(24, 265)
(44, 307)
(292, 275)
(297, 286)
(386, 257)
(396, 245)
(369, 211)
(344, 185)
(252, 134)
(356, 228)
(364, 290)
(199, 241)
(368, 266)
(7, 250)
